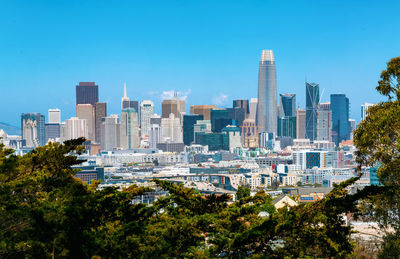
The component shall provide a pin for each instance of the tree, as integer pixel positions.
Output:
(242, 192)
(377, 141)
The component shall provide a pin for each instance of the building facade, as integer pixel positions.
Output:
(129, 129)
(33, 129)
(312, 105)
(54, 116)
(188, 127)
(146, 111)
(267, 114)
(100, 112)
(288, 105)
(340, 118)
(324, 122)
(86, 112)
(110, 132)
(204, 110)
(87, 93)
(300, 124)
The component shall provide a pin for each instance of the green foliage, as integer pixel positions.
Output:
(242, 192)
(46, 212)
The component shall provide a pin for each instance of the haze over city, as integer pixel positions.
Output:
(208, 51)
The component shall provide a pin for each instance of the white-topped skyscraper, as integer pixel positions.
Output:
(267, 114)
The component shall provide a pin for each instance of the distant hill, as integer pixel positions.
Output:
(9, 129)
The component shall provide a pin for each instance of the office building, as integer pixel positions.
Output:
(234, 137)
(188, 127)
(300, 124)
(324, 122)
(364, 109)
(267, 113)
(312, 105)
(237, 114)
(146, 111)
(204, 110)
(340, 118)
(129, 129)
(127, 103)
(100, 112)
(220, 119)
(52, 132)
(54, 116)
(253, 108)
(287, 126)
(33, 129)
(201, 126)
(171, 129)
(87, 93)
(76, 128)
(242, 104)
(249, 133)
(287, 105)
(214, 141)
(86, 112)
(175, 106)
(171, 147)
(110, 133)
(155, 119)
(155, 135)
(352, 127)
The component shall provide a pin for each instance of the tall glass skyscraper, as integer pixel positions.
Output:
(312, 104)
(33, 129)
(87, 93)
(267, 115)
(288, 104)
(340, 117)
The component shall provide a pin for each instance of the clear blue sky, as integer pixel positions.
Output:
(204, 48)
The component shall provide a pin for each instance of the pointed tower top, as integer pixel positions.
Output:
(125, 90)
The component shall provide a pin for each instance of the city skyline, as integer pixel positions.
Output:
(341, 55)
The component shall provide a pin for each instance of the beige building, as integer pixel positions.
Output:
(175, 106)
(76, 128)
(300, 124)
(171, 129)
(86, 112)
(204, 110)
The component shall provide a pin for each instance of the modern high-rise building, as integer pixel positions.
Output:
(146, 111)
(33, 129)
(174, 106)
(340, 117)
(288, 104)
(110, 130)
(86, 112)
(220, 119)
(204, 110)
(188, 127)
(100, 112)
(312, 104)
(52, 131)
(171, 129)
(287, 126)
(253, 108)
(76, 128)
(129, 129)
(300, 124)
(87, 93)
(242, 104)
(155, 135)
(267, 114)
(324, 122)
(364, 109)
(127, 103)
(352, 127)
(54, 116)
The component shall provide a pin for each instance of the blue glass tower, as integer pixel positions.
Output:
(188, 127)
(312, 104)
(288, 104)
(340, 117)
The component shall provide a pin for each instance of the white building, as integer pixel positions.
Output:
(171, 129)
(54, 116)
(324, 122)
(364, 109)
(110, 130)
(76, 128)
(253, 108)
(146, 111)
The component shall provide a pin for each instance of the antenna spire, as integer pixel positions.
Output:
(125, 90)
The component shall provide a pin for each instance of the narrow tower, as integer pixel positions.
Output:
(267, 116)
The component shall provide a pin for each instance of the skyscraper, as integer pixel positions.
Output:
(340, 117)
(171, 129)
(364, 109)
(300, 124)
(202, 110)
(86, 112)
(110, 132)
(312, 104)
(100, 112)
(76, 128)
(324, 122)
(54, 116)
(146, 111)
(87, 92)
(267, 114)
(253, 108)
(33, 129)
(287, 126)
(129, 129)
(288, 104)
(127, 103)
(188, 127)
(242, 104)
(174, 106)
